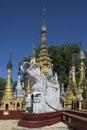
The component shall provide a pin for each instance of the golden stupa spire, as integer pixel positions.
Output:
(69, 97)
(8, 93)
(44, 61)
(73, 77)
(8, 98)
(69, 92)
(82, 66)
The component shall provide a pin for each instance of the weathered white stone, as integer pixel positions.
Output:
(45, 90)
(19, 92)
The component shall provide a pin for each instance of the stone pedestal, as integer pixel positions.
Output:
(58, 126)
(33, 120)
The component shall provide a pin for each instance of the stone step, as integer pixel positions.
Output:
(58, 126)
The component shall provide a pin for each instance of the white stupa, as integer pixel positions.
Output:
(19, 92)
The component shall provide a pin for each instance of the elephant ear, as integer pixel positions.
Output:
(24, 66)
(35, 66)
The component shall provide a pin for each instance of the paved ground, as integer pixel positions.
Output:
(8, 124)
(12, 125)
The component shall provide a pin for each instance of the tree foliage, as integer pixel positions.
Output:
(2, 83)
(62, 59)
(2, 86)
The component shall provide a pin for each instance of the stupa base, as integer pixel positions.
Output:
(33, 120)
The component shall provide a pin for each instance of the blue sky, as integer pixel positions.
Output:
(21, 21)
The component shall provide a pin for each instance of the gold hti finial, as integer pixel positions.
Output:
(43, 29)
(9, 65)
(44, 15)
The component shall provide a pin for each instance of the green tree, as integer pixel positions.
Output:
(62, 59)
(2, 86)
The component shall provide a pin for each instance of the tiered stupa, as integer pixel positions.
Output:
(19, 92)
(78, 92)
(73, 75)
(44, 61)
(82, 67)
(73, 83)
(19, 95)
(82, 74)
(69, 94)
(8, 98)
(82, 87)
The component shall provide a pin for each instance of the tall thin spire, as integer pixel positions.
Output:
(44, 61)
(73, 77)
(33, 58)
(9, 65)
(44, 29)
(44, 15)
(19, 92)
(10, 54)
(33, 46)
(8, 88)
(82, 66)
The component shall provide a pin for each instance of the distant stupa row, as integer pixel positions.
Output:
(76, 94)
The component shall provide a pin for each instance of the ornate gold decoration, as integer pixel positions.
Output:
(69, 98)
(82, 67)
(44, 61)
(73, 77)
(8, 98)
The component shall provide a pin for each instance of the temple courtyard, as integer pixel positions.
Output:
(12, 125)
